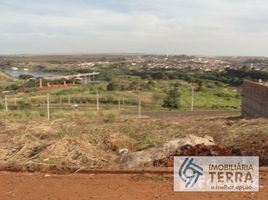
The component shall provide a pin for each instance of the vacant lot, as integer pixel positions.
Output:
(91, 140)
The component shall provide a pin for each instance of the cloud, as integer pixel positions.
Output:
(214, 27)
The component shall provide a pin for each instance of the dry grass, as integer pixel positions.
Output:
(90, 139)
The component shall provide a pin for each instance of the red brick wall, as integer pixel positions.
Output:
(255, 99)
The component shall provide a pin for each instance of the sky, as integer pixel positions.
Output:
(193, 27)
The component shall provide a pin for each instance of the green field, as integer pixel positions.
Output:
(152, 93)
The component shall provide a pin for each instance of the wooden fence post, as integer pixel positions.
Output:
(97, 102)
(6, 104)
(48, 107)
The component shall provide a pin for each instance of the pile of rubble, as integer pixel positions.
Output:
(148, 156)
(162, 156)
(197, 150)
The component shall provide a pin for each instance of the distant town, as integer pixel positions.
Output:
(136, 62)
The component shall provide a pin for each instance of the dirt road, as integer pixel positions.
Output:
(38, 186)
(196, 113)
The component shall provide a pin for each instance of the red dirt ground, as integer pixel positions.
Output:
(39, 186)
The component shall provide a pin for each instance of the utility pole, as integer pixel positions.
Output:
(192, 100)
(139, 109)
(6, 105)
(48, 107)
(98, 102)
(123, 102)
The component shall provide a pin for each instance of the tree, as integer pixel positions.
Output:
(159, 76)
(199, 85)
(150, 85)
(25, 76)
(172, 100)
(112, 86)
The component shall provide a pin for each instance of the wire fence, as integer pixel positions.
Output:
(51, 103)
(53, 106)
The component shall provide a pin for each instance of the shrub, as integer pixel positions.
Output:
(24, 105)
(109, 118)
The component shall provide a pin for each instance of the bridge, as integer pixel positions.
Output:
(85, 78)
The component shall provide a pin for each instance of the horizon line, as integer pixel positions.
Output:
(124, 53)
